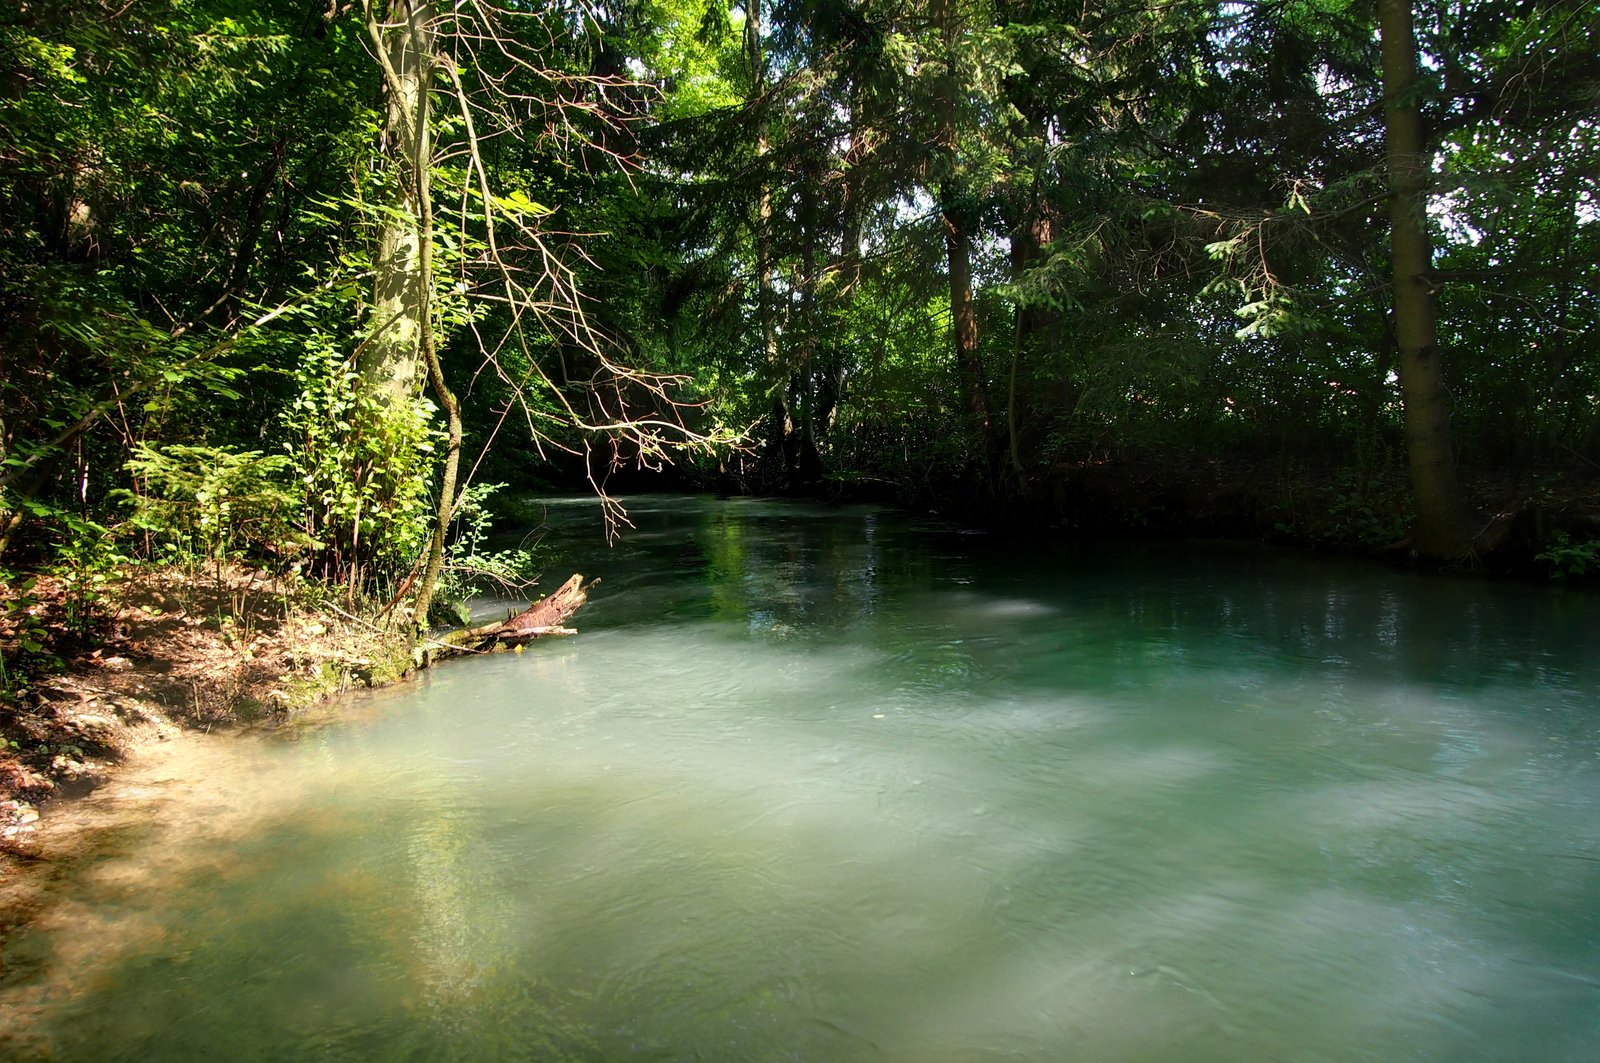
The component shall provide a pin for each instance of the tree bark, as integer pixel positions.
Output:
(448, 501)
(406, 346)
(1445, 527)
(782, 427)
(391, 360)
(964, 325)
(958, 246)
(1034, 322)
(544, 617)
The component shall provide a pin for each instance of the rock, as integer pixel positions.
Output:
(117, 664)
(17, 819)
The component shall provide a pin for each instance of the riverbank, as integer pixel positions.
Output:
(168, 652)
(1543, 524)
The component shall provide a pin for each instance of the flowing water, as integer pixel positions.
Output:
(834, 784)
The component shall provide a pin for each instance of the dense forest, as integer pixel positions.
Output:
(323, 285)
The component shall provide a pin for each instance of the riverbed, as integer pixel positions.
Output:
(821, 783)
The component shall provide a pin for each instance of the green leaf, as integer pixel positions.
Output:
(517, 202)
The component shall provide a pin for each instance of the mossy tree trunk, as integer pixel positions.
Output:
(391, 359)
(404, 346)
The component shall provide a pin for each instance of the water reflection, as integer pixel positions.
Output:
(823, 784)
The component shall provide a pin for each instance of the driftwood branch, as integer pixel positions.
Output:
(544, 617)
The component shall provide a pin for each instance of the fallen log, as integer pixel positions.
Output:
(544, 617)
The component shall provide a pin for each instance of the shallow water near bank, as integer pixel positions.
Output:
(839, 784)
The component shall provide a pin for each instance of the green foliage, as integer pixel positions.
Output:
(216, 504)
(83, 554)
(20, 619)
(152, 176)
(1355, 516)
(363, 469)
(471, 566)
(1567, 557)
(1176, 215)
(87, 563)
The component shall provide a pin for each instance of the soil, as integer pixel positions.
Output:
(169, 652)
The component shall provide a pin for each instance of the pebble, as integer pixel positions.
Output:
(18, 817)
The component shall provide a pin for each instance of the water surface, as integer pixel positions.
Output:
(835, 784)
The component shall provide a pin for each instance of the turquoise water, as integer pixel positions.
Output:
(836, 784)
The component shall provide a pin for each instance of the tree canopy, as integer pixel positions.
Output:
(299, 281)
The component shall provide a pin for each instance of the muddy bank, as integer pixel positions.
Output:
(170, 656)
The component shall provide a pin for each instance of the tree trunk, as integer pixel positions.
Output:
(841, 279)
(244, 257)
(805, 469)
(391, 360)
(958, 247)
(405, 345)
(766, 308)
(1445, 527)
(853, 198)
(1033, 321)
(964, 325)
(447, 402)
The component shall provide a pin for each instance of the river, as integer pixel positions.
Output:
(841, 784)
